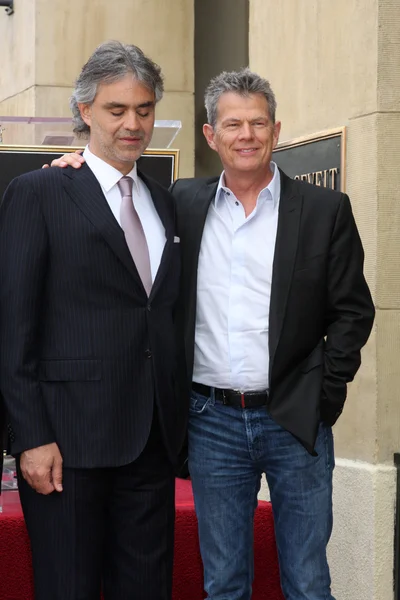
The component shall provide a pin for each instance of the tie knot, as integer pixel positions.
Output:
(125, 186)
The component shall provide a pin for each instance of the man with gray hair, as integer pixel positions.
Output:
(90, 265)
(273, 333)
(274, 309)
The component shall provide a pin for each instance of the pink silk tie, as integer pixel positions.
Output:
(134, 233)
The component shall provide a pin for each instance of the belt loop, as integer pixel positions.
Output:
(224, 401)
(242, 400)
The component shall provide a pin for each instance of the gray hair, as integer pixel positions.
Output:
(110, 62)
(244, 83)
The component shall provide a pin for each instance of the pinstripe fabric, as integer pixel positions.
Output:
(110, 526)
(89, 361)
(83, 351)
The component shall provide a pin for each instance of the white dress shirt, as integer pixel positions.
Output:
(154, 230)
(234, 290)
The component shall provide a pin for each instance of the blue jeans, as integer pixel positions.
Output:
(229, 450)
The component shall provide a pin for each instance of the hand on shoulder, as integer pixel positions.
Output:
(74, 159)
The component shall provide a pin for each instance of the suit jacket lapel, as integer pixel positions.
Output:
(290, 207)
(84, 189)
(197, 209)
(193, 213)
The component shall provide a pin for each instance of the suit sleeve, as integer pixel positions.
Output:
(23, 265)
(349, 313)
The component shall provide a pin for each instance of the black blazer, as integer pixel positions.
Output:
(83, 352)
(321, 311)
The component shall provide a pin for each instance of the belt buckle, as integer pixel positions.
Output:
(224, 399)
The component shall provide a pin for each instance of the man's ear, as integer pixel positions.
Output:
(86, 112)
(277, 131)
(209, 134)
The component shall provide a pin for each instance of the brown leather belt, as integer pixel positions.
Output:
(233, 397)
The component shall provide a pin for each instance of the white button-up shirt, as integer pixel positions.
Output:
(108, 178)
(234, 290)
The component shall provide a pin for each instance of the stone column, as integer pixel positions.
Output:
(217, 48)
(333, 64)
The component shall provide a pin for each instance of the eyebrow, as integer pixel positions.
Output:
(148, 104)
(236, 120)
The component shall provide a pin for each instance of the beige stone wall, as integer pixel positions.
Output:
(17, 72)
(60, 36)
(333, 64)
(215, 52)
(321, 59)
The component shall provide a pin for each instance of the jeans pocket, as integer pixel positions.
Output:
(198, 403)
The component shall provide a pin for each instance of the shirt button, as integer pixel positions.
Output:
(237, 203)
(148, 354)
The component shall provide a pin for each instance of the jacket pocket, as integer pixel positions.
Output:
(310, 262)
(315, 359)
(70, 370)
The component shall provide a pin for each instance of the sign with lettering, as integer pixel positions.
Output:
(318, 159)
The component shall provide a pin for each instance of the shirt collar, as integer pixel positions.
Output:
(105, 174)
(273, 189)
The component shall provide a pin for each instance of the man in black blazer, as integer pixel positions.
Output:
(274, 310)
(89, 349)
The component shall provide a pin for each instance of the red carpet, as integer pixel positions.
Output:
(15, 563)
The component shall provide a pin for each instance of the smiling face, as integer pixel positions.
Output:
(121, 121)
(244, 135)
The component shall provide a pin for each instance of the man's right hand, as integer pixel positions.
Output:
(74, 159)
(42, 468)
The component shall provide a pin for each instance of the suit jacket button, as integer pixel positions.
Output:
(149, 307)
(148, 354)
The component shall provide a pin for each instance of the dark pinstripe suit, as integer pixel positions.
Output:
(84, 354)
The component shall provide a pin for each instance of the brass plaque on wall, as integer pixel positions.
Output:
(318, 159)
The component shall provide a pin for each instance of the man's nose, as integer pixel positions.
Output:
(131, 121)
(246, 131)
